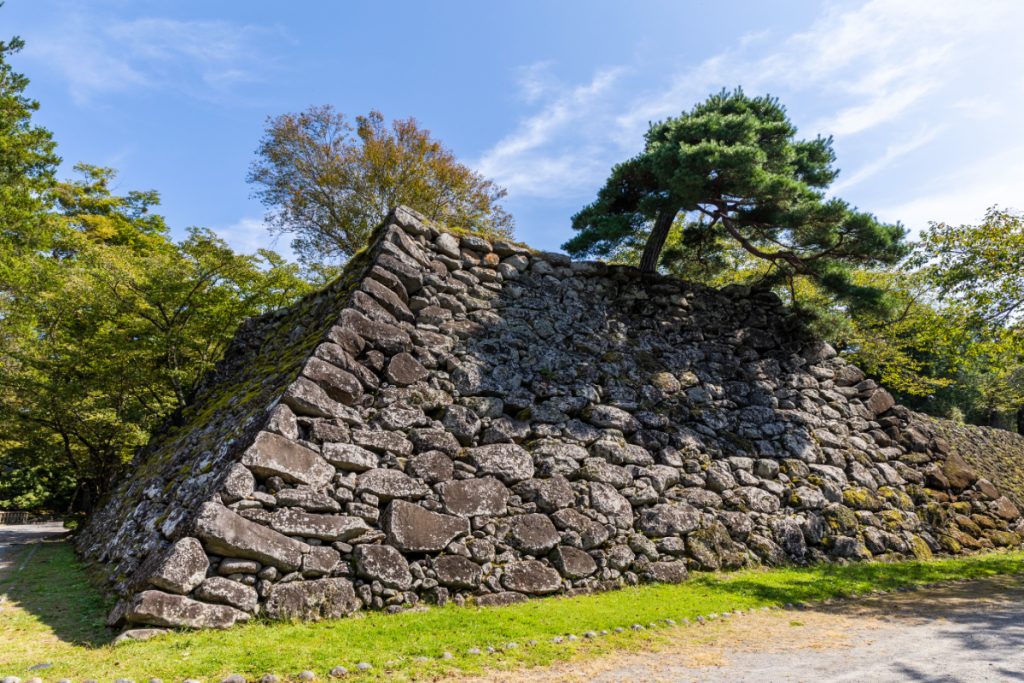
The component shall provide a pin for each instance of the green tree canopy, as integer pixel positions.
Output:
(108, 333)
(27, 158)
(979, 266)
(106, 323)
(329, 183)
(732, 171)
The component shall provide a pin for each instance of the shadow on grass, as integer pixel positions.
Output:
(982, 615)
(831, 581)
(54, 589)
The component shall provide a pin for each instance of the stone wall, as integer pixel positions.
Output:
(459, 419)
(996, 454)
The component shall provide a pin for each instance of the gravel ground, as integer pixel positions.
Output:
(962, 633)
(23, 534)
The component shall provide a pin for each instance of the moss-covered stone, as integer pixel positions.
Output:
(892, 520)
(1004, 539)
(896, 498)
(840, 520)
(920, 548)
(950, 544)
(861, 498)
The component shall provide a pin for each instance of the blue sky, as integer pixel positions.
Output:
(924, 98)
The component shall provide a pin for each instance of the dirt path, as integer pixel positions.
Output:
(23, 534)
(959, 634)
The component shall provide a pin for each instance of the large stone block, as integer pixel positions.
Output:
(462, 423)
(958, 473)
(391, 301)
(382, 442)
(533, 534)
(472, 497)
(183, 568)
(432, 467)
(1004, 507)
(573, 563)
(226, 592)
(530, 576)
(238, 484)
(548, 494)
(506, 461)
(226, 533)
(879, 402)
(603, 472)
(610, 416)
(163, 609)
(350, 457)
(321, 560)
(666, 572)
(609, 502)
(307, 499)
(323, 527)
(306, 397)
(340, 385)
(272, 455)
(390, 484)
(458, 572)
(758, 500)
(311, 600)
(668, 520)
(404, 370)
(385, 564)
(387, 338)
(413, 529)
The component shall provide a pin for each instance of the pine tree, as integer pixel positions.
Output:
(731, 172)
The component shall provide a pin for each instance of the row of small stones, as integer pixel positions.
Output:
(340, 671)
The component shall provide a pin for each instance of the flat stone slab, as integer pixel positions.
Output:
(312, 525)
(226, 592)
(164, 609)
(506, 461)
(350, 457)
(413, 529)
(226, 533)
(531, 576)
(472, 497)
(273, 455)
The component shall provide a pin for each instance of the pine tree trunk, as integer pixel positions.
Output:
(655, 243)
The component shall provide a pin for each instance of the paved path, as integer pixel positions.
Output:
(963, 633)
(24, 534)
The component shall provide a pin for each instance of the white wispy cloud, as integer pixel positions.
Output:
(98, 56)
(249, 234)
(891, 154)
(537, 151)
(890, 78)
(963, 194)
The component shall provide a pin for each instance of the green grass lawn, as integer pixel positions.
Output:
(50, 615)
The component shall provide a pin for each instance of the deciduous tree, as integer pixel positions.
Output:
(328, 183)
(980, 266)
(115, 325)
